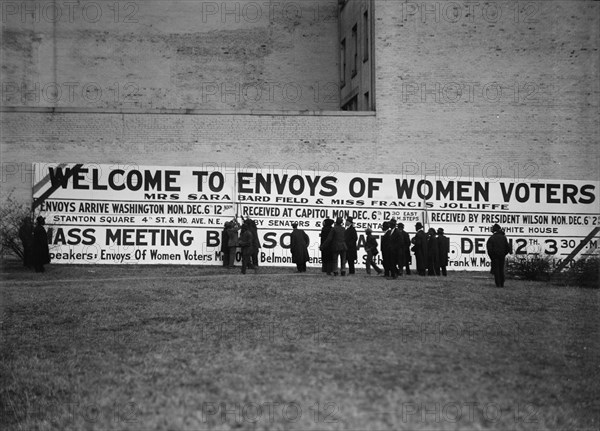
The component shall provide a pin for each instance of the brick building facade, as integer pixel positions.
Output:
(486, 89)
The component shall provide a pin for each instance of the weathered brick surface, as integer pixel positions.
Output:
(547, 128)
(225, 55)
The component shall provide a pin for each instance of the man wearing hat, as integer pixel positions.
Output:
(299, 242)
(350, 237)
(406, 249)
(396, 250)
(443, 250)
(420, 248)
(497, 248)
(371, 249)
(40, 250)
(337, 241)
(385, 248)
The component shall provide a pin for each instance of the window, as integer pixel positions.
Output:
(354, 50)
(351, 105)
(343, 63)
(367, 107)
(366, 36)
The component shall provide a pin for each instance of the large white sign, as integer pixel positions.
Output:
(174, 215)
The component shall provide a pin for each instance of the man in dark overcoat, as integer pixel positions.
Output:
(40, 249)
(406, 242)
(337, 241)
(443, 251)
(396, 250)
(326, 252)
(351, 238)
(255, 243)
(497, 248)
(385, 248)
(232, 241)
(225, 244)
(433, 266)
(299, 242)
(246, 244)
(419, 248)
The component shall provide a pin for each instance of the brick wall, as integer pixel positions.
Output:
(225, 55)
(433, 114)
(515, 84)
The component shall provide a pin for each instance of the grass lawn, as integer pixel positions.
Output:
(198, 348)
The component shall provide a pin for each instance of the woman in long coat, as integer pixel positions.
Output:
(326, 252)
(299, 247)
(40, 250)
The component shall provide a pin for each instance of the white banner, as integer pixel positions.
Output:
(109, 214)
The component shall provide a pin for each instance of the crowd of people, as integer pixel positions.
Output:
(339, 248)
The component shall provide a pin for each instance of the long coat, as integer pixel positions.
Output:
(432, 251)
(385, 246)
(497, 246)
(420, 248)
(443, 249)
(299, 246)
(327, 257)
(350, 237)
(336, 239)
(397, 247)
(40, 250)
(406, 244)
(246, 242)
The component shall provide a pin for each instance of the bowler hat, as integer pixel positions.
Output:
(419, 225)
(496, 228)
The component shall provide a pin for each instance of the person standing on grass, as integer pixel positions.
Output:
(225, 244)
(497, 248)
(255, 243)
(443, 251)
(419, 242)
(433, 267)
(385, 248)
(40, 250)
(246, 244)
(232, 241)
(326, 253)
(337, 241)
(406, 249)
(371, 249)
(394, 250)
(351, 237)
(299, 242)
